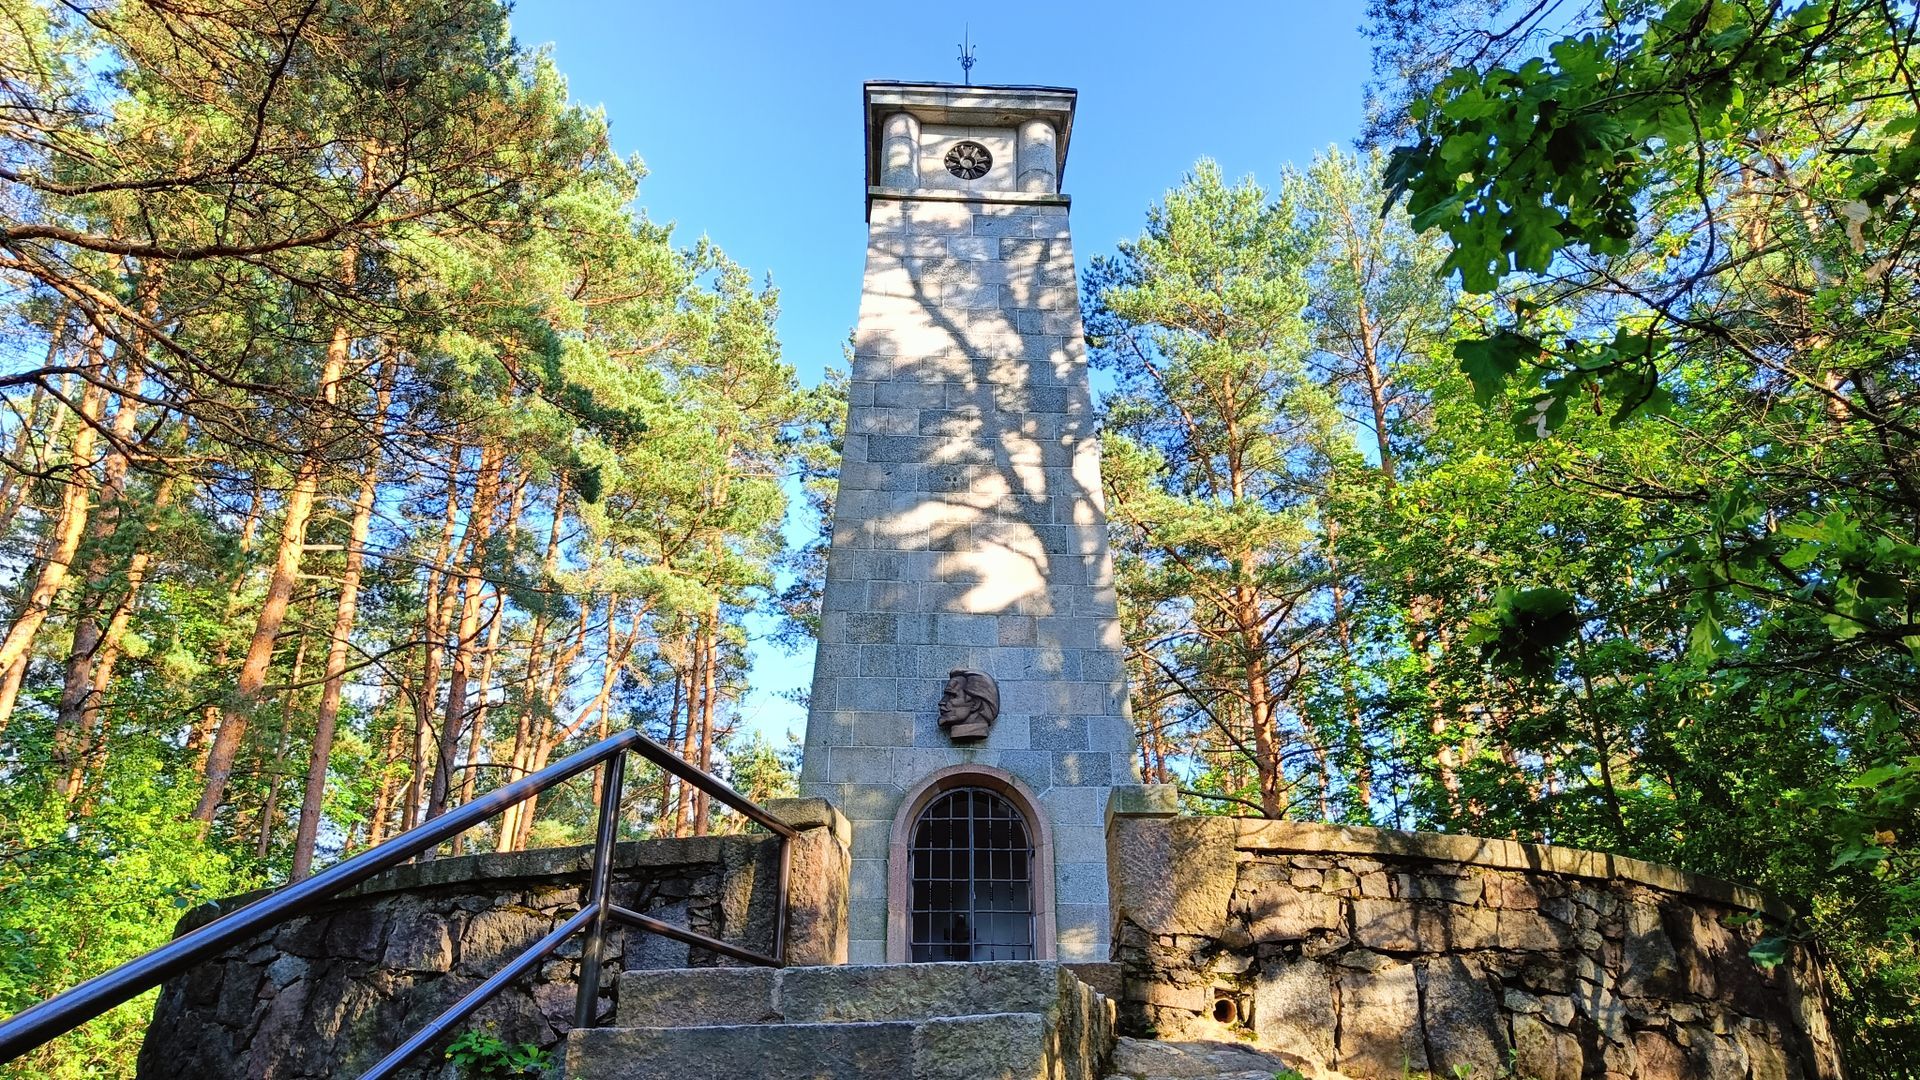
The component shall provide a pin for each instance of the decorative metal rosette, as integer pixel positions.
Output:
(969, 160)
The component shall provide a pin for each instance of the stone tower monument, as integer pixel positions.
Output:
(969, 705)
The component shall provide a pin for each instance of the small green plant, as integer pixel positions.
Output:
(481, 1054)
(1289, 1074)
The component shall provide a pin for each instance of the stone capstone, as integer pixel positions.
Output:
(1181, 870)
(1149, 1059)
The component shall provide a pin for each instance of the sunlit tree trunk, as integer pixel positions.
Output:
(441, 582)
(526, 723)
(709, 661)
(683, 808)
(200, 735)
(270, 801)
(1360, 755)
(339, 644)
(668, 781)
(87, 721)
(546, 738)
(273, 610)
(477, 730)
(382, 813)
(69, 526)
(488, 656)
(467, 631)
(89, 629)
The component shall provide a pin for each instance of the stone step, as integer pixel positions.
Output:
(988, 1021)
(1004, 1046)
(1151, 1059)
(845, 993)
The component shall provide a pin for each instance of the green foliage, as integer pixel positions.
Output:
(1665, 601)
(759, 770)
(1524, 629)
(78, 897)
(1694, 220)
(480, 1054)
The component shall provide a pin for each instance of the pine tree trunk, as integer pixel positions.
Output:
(489, 655)
(1349, 693)
(90, 629)
(667, 779)
(339, 640)
(605, 702)
(199, 735)
(440, 582)
(383, 798)
(89, 740)
(273, 611)
(467, 635)
(477, 730)
(1369, 343)
(536, 641)
(270, 803)
(702, 803)
(545, 739)
(1268, 766)
(64, 542)
(683, 809)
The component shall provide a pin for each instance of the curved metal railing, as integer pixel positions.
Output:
(63, 1012)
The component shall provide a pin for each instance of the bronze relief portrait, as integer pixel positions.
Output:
(969, 705)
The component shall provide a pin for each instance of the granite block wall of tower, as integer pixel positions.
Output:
(969, 530)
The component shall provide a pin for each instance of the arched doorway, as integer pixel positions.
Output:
(971, 891)
(970, 874)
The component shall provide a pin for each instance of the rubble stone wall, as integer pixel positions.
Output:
(1370, 953)
(330, 993)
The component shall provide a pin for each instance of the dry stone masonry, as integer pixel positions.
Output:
(1369, 953)
(330, 993)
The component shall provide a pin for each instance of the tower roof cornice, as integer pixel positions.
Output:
(976, 105)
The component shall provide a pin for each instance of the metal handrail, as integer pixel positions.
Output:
(63, 1012)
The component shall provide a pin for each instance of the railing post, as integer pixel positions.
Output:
(784, 900)
(586, 1008)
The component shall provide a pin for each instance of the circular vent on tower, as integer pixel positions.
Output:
(969, 160)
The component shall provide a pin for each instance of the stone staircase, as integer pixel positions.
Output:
(981, 1021)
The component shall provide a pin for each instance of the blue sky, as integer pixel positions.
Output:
(748, 117)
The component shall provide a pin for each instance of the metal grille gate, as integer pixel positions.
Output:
(972, 894)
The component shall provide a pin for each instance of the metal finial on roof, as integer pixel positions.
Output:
(967, 57)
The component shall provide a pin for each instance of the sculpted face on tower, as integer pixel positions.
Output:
(969, 705)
